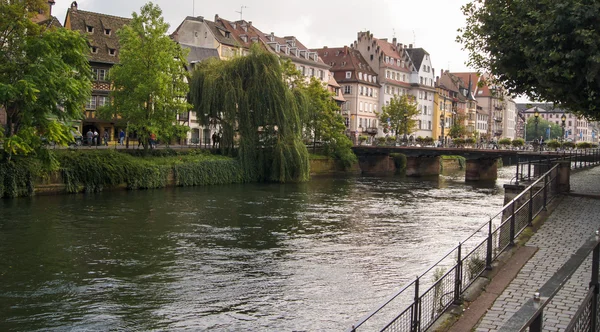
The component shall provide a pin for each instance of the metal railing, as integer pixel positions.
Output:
(412, 309)
(530, 170)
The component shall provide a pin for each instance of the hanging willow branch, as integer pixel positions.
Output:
(248, 99)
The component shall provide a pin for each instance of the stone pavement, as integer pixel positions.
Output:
(571, 223)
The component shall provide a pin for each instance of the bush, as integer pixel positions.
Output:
(553, 144)
(504, 142)
(469, 140)
(428, 140)
(381, 140)
(584, 145)
(458, 142)
(419, 139)
(518, 142)
(568, 145)
(362, 138)
(391, 139)
(399, 162)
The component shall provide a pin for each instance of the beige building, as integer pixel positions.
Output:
(360, 88)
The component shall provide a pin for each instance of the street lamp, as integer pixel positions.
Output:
(536, 115)
(405, 128)
(442, 124)
(563, 118)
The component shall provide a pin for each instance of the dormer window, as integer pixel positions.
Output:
(94, 49)
(112, 51)
(89, 29)
(107, 32)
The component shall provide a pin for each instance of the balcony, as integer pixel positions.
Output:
(498, 119)
(371, 130)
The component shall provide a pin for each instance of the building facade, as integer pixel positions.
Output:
(101, 33)
(422, 81)
(360, 88)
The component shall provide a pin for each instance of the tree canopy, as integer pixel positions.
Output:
(398, 116)
(150, 83)
(44, 78)
(249, 101)
(542, 129)
(547, 50)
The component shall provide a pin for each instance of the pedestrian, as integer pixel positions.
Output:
(89, 135)
(105, 137)
(121, 136)
(95, 138)
(214, 140)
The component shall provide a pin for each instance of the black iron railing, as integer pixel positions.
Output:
(420, 303)
(530, 170)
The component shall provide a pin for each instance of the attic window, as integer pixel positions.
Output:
(89, 28)
(94, 49)
(107, 32)
(324, 53)
(112, 51)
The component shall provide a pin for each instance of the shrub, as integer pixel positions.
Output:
(518, 142)
(362, 138)
(568, 145)
(391, 139)
(381, 140)
(419, 139)
(584, 145)
(428, 140)
(504, 142)
(469, 140)
(553, 144)
(399, 162)
(458, 142)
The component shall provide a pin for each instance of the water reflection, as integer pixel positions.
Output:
(312, 256)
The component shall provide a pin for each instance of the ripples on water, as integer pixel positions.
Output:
(314, 256)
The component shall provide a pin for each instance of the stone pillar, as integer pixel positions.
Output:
(422, 166)
(377, 164)
(564, 176)
(481, 170)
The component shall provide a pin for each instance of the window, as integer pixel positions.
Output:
(107, 32)
(89, 29)
(311, 72)
(347, 89)
(321, 75)
(425, 110)
(112, 51)
(94, 49)
(303, 70)
(387, 89)
(102, 74)
(398, 63)
(360, 108)
(102, 100)
(371, 92)
(361, 90)
(348, 74)
(429, 125)
(360, 77)
(91, 104)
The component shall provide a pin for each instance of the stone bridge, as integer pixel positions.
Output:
(425, 161)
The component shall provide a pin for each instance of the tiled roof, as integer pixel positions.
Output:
(476, 86)
(394, 52)
(51, 22)
(80, 20)
(198, 54)
(344, 59)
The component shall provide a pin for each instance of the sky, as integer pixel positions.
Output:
(430, 24)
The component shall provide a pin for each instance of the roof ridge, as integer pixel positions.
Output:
(101, 14)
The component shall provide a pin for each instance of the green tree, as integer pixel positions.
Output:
(325, 123)
(547, 50)
(251, 103)
(150, 83)
(44, 78)
(542, 127)
(398, 116)
(458, 128)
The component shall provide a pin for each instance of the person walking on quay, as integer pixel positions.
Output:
(105, 137)
(95, 138)
(121, 136)
(153, 141)
(89, 136)
(214, 140)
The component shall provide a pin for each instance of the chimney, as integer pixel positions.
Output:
(216, 17)
(409, 45)
(249, 23)
(50, 4)
(74, 5)
(394, 40)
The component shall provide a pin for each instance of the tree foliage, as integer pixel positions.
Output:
(458, 128)
(150, 82)
(248, 99)
(44, 77)
(542, 127)
(548, 50)
(398, 116)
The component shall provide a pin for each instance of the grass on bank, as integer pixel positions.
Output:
(94, 170)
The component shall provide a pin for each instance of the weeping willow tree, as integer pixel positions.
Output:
(249, 100)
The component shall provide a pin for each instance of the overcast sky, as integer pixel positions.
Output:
(430, 24)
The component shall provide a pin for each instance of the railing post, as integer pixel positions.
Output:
(530, 221)
(545, 191)
(536, 325)
(528, 170)
(517, 177)
(512, 225)
(458, 276)
(415, 326)
(488, 257)
(594, 284)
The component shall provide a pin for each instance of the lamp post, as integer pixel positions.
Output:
(442, 124)
(563, 118)
(405, 128)
(536, 115)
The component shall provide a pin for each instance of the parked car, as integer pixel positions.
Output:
(77, 138)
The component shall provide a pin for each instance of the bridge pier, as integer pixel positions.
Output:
(481, 170)
(422, 166)
(377, 165)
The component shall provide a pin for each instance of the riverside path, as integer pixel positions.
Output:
(566, 229)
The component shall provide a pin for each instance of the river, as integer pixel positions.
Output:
(255, 257)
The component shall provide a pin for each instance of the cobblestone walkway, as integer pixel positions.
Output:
(565, 231)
